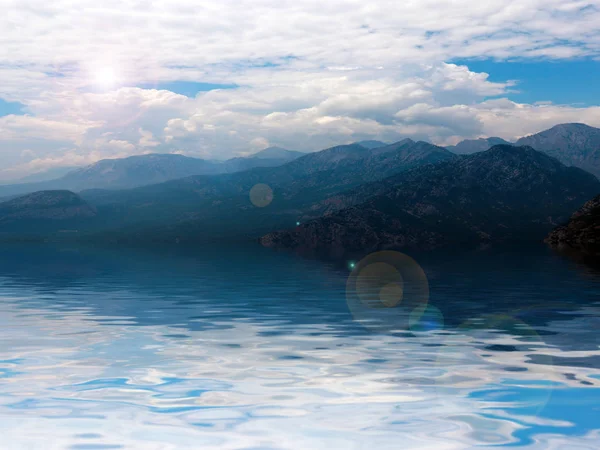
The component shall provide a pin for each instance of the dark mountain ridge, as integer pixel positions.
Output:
(504, 194)
(297, 187)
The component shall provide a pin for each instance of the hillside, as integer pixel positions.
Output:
(504, 194)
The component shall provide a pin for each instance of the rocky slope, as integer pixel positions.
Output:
(581, 233)
(470, 146)
(573, 144)
(504, 194)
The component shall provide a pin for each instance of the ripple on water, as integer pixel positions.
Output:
(173, 352)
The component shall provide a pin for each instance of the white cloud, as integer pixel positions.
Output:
(147, 139)
(311, 73)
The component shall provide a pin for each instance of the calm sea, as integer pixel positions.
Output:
(249, 348)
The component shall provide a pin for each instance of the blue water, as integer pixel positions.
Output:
(248, 348)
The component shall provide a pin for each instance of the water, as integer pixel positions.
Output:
(247, 348)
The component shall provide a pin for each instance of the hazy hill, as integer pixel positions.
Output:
(504, 194)
(45, 211)
(136, 171)
(574, 144)
(46, 175)
(277, 153)
(142, 170)
(470, 146)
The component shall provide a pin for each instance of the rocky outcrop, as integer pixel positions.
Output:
(505, 194)
(581, 233)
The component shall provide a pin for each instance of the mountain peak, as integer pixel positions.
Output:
(573, 126)
(574, 144)
(406, 141)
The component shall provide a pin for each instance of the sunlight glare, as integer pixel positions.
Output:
(105, 77)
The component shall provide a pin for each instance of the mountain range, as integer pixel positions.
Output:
(142, 170)
(353, 197)
(192, 206)
(504, 194)
(573, 144)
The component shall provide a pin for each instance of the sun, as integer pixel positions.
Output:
(105, 77)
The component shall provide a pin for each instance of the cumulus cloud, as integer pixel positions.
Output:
(309, 74)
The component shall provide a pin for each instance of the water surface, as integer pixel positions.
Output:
(247, 348)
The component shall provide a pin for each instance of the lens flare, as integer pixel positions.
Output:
(261, 195)
(426, 318)
(380, 285)
(384, 288)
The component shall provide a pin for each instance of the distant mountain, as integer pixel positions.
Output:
(574, 144)
(44, 211)
(277, 153)
(46, 175)
(504, 194)
(142, 170)
(581, 233)
(203, 206)
(136, 171)
(371, 144)
(470, 146)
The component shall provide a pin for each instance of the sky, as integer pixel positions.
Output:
(86, 80)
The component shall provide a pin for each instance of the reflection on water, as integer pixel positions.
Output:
(246, 348)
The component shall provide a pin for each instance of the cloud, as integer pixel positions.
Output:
(309, 74)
